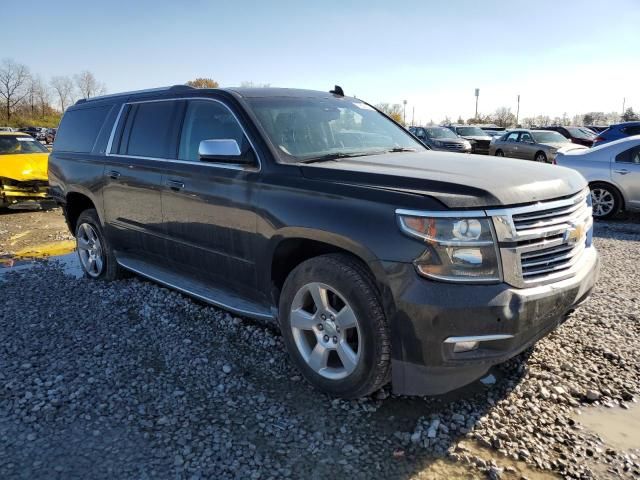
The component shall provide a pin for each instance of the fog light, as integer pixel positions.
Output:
(460, 347)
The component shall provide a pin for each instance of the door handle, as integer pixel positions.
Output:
(175, 185)
(114, 174)
(624, 171)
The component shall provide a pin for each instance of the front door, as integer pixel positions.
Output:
(209, 207)
(625, 171)
(526, 146)
(145, 136)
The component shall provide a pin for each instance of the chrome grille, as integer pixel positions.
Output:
(452, 145)
(543, 242)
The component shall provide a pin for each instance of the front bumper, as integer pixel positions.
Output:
(10, 193)
(426, 313)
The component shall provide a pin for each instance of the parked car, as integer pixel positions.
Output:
(478, 138)
(538, 145)
(596, 128)
(441, 138)
(494, 133)
(576, 135)
(6, 129)
(613, 173)
(377, 258)
(31, 131)
(23, 168)
(617, 131)
(51, 135)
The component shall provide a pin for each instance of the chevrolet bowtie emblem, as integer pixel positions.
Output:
(574, 233)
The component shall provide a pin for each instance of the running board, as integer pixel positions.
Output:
(196, 289)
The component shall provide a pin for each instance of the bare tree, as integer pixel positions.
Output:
(88, 85)
(14, 78)
(503, 117)
(63, 86)
(394, 111)
(42, 94)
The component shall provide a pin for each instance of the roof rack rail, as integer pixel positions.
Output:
(172, 88)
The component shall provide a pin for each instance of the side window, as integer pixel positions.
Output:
(629, 156)
(632, 130)
(512, 137)
(526, 137)
(79, 129)
(208, 120)
(151, 130)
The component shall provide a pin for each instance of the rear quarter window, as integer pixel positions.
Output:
(79, 129)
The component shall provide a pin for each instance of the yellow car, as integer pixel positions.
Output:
(23, 168)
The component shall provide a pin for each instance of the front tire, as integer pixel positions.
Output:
(334, 326)
(605, 199)
(94, 250)
(499, 153)
(540, 157)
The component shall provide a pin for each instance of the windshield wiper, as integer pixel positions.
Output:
(401, 149)
(334, 156)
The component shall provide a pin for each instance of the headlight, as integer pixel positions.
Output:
(467, 144)
(437, 143)
(458, 249)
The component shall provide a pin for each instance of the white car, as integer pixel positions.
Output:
(613, 173)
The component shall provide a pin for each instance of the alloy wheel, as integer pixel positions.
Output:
(90, 250)
(326, 331)
(603, 202)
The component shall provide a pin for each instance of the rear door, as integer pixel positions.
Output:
(625, 171)
(527, 147)
(510, 146)
(146, 135)
(209, 207)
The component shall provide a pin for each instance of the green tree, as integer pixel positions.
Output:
(202, 82)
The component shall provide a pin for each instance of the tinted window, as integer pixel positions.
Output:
(526, 137)
(629, 156)
(79, 129)
(150, 130)
(208, 120)
(512, 137)
(633, 130)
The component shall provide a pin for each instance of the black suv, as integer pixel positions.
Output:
(378, 259)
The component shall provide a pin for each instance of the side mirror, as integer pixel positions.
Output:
(220, 150)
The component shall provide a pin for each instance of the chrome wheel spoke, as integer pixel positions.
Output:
(346, 318)
(319, 295)
(348, 357)
(302, 320)
(83, 244)
(319, 357)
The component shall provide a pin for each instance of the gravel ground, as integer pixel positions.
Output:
(131, 380)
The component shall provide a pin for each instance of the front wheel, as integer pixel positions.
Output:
(334, 326)
(605, 200)
(499, 153)
(541, 157)
(94, 250)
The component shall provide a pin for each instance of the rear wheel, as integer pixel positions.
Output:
(605, 199)
(334, 326)
(541, 157)
(499, 153)
(94, 250)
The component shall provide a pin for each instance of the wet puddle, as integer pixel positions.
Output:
(62, 252)
(618, 427)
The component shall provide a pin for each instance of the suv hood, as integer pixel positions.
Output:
(456, 180)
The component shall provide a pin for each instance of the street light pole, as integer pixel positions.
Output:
(404, 112)
(477, 95)
(518, 111)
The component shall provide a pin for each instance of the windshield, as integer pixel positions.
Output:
(549, 137)
(440, 132)
(311, 128)
(470, 132)
(580, 133)
(17, 144)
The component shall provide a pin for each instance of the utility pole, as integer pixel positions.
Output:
(404, 112)
(477, 95)
(518, 111)
(624, 99)
(413, 115)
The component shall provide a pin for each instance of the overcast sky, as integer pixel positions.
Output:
(560, 56)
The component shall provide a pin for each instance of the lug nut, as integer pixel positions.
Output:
(323, 316)
(320, 327)
(335, 339)
(332, 317)
(326, 338)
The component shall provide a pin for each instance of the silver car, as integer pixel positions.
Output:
(613, 173)
(538, 145)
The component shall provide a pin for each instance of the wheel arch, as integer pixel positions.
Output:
(75, 203)
(613, 186)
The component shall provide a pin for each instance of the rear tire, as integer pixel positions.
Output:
(334, 326)
(94, 250)
(606, 200)
(499, 153)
